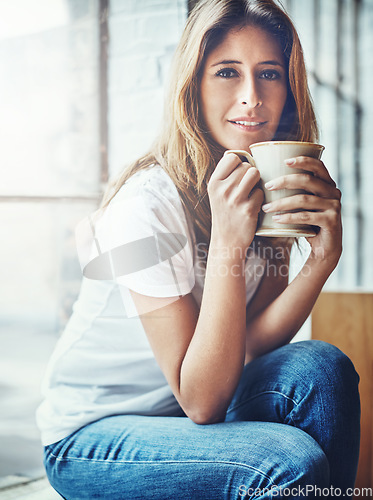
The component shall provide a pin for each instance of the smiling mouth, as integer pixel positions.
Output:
(247, 124)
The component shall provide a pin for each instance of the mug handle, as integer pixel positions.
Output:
(243, 153)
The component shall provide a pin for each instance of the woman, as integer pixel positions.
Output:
(204, 337)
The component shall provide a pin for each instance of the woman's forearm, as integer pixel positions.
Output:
(215, 357)
(277, 324)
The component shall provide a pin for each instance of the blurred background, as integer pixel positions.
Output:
(81, 95)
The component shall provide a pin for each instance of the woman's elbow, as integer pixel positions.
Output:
(205, 417)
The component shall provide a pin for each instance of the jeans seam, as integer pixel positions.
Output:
(165, 462)
(290, 416)
(241, 403)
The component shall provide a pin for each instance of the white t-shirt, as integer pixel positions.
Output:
(103, 364)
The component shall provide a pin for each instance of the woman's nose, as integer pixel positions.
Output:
(250, 95)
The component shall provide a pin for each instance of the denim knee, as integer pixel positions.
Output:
(329, 388)
(326, 363)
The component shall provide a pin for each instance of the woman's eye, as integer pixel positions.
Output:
(270, 74)
(227, 73)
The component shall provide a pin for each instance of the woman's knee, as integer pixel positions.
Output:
(326, 363)
(329, 379)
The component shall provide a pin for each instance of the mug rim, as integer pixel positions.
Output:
(273, 143)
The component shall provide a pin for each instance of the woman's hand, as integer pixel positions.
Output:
(319, 206)
(235, 201)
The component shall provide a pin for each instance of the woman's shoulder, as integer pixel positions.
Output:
(151, 183)
(150, 195)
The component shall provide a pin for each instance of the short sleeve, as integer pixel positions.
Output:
(141, 240)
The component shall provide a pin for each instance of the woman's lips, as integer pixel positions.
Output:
(248, 125)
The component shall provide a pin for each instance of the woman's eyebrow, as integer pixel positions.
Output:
(272, 63)
(226, 61)
(231, 61)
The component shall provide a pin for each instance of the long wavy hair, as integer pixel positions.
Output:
(184, 149)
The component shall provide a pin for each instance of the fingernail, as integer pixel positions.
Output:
(290, 161)
(266, 207)
(269, 185)
(276, 217)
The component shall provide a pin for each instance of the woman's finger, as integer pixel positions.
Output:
(248, 182)
(306, 182)
(325, 219)
(255, 200)
(302, 202)
(316, 167)
(225, 167)
(235, 177)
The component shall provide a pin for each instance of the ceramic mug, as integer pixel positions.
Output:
(269, 158)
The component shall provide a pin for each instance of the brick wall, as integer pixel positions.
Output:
(143, 37)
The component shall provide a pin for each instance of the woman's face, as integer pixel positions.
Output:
(243, 88)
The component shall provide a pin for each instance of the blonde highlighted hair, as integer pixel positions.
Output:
(184, 149)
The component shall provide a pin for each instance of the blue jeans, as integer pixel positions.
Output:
(293, 425)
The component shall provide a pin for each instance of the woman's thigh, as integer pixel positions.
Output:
(133, 457)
